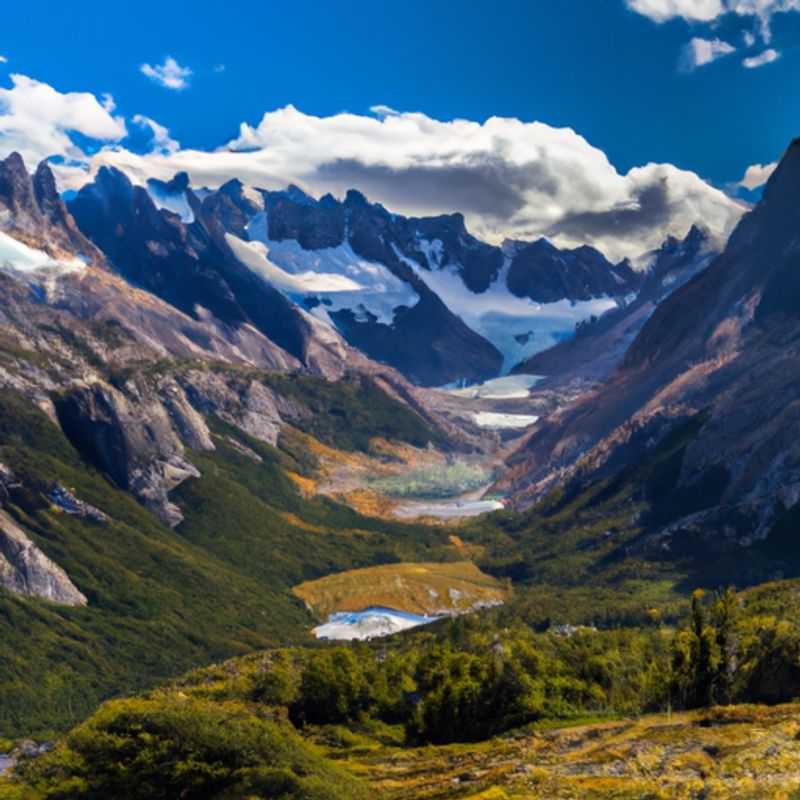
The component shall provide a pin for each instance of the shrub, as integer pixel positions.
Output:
(173, 746)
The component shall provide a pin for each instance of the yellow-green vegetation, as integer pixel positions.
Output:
(171, 746)
(443, 480)
(415, 588)
(352, 412)
(731, 753)
(162, 601)
(560, 714)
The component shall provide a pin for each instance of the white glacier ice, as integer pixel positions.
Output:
(338, 277)
(517, 326)
(371, 623)
(496, 421)
(509, 387)
(176, 203)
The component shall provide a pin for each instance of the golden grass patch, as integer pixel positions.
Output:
(307, 486)
(428, 588)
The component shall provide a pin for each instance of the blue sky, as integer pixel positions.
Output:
(615, 71)
(593, 65)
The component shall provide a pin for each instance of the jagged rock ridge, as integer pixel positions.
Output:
(400, 289)
(720, 353)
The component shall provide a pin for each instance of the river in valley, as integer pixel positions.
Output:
(446, 509)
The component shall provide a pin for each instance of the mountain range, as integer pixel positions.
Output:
(420, 294)
(212, 397)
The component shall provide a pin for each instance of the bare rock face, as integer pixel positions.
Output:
(132, 437)
(243, 402)
(36, 214)
(546, 274)
(7, 483)
(66, 500)
(294, 215)
(187, 265)
(25, 570)
(600, 344)
(720, 353)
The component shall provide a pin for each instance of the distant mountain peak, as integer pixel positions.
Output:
(37, 213)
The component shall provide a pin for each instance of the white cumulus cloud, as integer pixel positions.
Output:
(690, 10)
(508, 177)
(763, 11)
(699, 11)
(36, 120)
(699, 52)
(767, 57)
(757, 175)
(170, 74)
(161, 141)
(3, 60)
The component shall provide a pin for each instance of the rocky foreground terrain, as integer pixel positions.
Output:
(747, 752)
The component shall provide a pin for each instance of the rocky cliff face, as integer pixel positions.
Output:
(182, 263)
(715, 364)
(32, 210)
(136, 438)
(187, 260)
(25, 570)
(546, 274)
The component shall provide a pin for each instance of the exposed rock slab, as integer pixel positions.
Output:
(25, 570)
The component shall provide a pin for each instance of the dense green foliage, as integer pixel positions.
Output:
(467, 683)
(448, 480)
(348, 414)
(231, 730)
(169, 747)
(472, 679)
(162, 601)
(730, 654)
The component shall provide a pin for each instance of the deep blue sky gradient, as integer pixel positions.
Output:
(588, 64)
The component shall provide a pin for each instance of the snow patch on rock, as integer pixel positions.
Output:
(177, 203)
(335, 276)
(509, 387)
(15, 256)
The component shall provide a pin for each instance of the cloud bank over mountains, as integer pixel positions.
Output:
(511, 179)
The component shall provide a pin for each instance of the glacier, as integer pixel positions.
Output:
(517, 326)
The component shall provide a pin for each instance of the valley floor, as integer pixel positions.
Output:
(730, 753)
